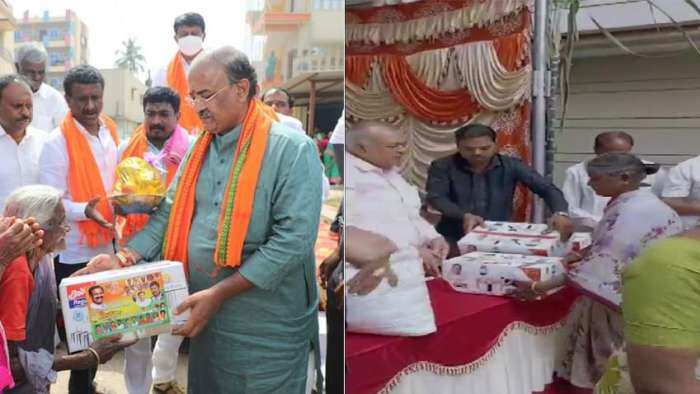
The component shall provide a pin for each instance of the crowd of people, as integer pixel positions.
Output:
(241, 213)
(642, 225)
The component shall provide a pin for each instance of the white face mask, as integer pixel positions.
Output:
(190, 45)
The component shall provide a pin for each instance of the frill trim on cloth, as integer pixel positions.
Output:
(471, 367)
(425, 20)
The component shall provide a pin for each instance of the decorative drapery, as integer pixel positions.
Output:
(431, 67)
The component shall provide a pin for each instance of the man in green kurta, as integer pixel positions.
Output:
(254, 328)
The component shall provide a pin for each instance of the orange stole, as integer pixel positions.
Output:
(84, 179)
(239, 196)
(130, 225)
(177, 80)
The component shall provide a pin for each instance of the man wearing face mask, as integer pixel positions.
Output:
(189, 35)
(163, 143)
(49, 105)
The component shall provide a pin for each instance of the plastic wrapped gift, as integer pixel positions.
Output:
(139, 186)
(519, 238)
(136, 302)
(494, 273)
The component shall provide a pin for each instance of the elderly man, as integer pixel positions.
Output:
(477, 184)
(80, 159)
(49, 105)
(162, 142)
(189, 36)
(244, 225)
(20, 143)
(383, 213)
(585, 206)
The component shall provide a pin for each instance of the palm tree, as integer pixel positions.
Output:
(130, 57)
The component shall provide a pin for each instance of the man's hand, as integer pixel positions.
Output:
(572, 260)
(18, 238)
(563, 225)
(439, 246)
(99, 263)
(366, 248)
(470, 222)
(432, 262)
(202, 305)
(91, 212)
(328, 266)
(370, 276)
(108, 347)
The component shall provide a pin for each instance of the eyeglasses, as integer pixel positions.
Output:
(205, 100)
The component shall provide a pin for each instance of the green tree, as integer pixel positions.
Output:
(130, 56)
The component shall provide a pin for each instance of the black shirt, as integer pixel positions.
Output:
(454, 190)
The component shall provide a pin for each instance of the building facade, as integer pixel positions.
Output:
(300, 45)
(64, 37)
(123, 96)
(8, 24)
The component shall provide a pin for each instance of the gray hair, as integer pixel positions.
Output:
(620, 163)
(236, 65)
(32, 52)
(37, 201)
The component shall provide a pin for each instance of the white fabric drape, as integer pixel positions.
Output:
(439, 19)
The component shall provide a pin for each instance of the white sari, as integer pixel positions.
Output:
(629, 224)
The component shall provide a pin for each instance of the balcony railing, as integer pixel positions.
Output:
(321, 59)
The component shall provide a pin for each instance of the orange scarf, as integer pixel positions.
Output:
(239, 194)
(177, 80)
(130, 225)
(85, 180)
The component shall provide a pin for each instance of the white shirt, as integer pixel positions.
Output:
(160, 76)
(49, 108)
(585, 206)
(383, 202)
(19, 163)
(53, 165)
(683, 180)
(338, 136)
(295, 124)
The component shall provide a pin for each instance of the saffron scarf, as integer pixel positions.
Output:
(85, 180)
(177, 80)
(239, 194)
(173, 151)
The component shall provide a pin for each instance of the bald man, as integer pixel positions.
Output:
(383, 202)
(585, 206)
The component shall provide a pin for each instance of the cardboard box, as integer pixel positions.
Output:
(507, 237)
(137, 302)
(494, 273)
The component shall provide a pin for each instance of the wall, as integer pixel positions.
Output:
(654, 99)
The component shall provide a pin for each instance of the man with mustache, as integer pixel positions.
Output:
(80, 159)
(162, 142)
(49, 105)
(243, 218)
(477, 183)
(20, 143)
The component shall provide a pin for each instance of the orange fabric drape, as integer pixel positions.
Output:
(85, 180)
(237, 207)
(512, 50)
(422, 101)
(357, 69)
(177, 80)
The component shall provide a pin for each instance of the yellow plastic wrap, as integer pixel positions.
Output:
(136, 176)
(139, 187)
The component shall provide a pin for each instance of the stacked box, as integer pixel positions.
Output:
(518, 238)
(494, 273)
(136, 302)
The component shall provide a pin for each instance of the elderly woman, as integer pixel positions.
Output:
(633, 219)
(28, 295)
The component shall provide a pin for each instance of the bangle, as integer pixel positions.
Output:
(97, 356)
(533, 288)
